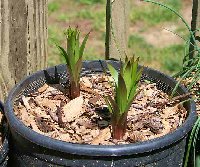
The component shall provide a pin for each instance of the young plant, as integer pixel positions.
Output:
(125, 82)
(73, 56)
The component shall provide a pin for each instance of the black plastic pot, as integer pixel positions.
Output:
(32, 149)
(4, 148)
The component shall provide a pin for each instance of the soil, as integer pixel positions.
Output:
(86, 119)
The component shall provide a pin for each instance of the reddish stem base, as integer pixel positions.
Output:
(119, 127)
(118, 133)
(74, 90)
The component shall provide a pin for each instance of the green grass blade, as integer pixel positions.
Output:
(178, 83)
(196, 77)
(190, 143)
(194, 141)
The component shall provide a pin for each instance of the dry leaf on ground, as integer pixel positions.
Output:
(73, 109)
(103, 135)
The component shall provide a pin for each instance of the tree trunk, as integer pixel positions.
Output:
(117, 22)
(23, 40)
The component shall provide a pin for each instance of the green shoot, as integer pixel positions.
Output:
(73, 56)
(125, 83)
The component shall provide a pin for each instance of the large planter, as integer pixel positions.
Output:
(4, 148)
(32, 149)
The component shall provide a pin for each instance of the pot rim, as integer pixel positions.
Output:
(97, 150)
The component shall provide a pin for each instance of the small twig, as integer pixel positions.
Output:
(59, 114)
(86, 89)
(174, 100)
(181, 97)
(52, 115)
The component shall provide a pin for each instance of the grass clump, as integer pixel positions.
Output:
(63, 17)
(98, 18)
(152, 15)
(53, 7)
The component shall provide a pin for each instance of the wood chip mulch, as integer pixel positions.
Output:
(86, 119)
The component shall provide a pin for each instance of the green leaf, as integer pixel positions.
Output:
(132, 95)
(134, 70)
(77, 70)
(121, 94)
(139, 74)
(63, 53)
(127, 77)
(110, 107)
(115, 108)
(134, 86)
(76, 51)
(114, 73)
(125, 63)
(83, 45)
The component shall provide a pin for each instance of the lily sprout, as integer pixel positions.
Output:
(125, 83)
(73, 56)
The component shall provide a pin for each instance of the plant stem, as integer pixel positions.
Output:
(74, 90)
(119, 127)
